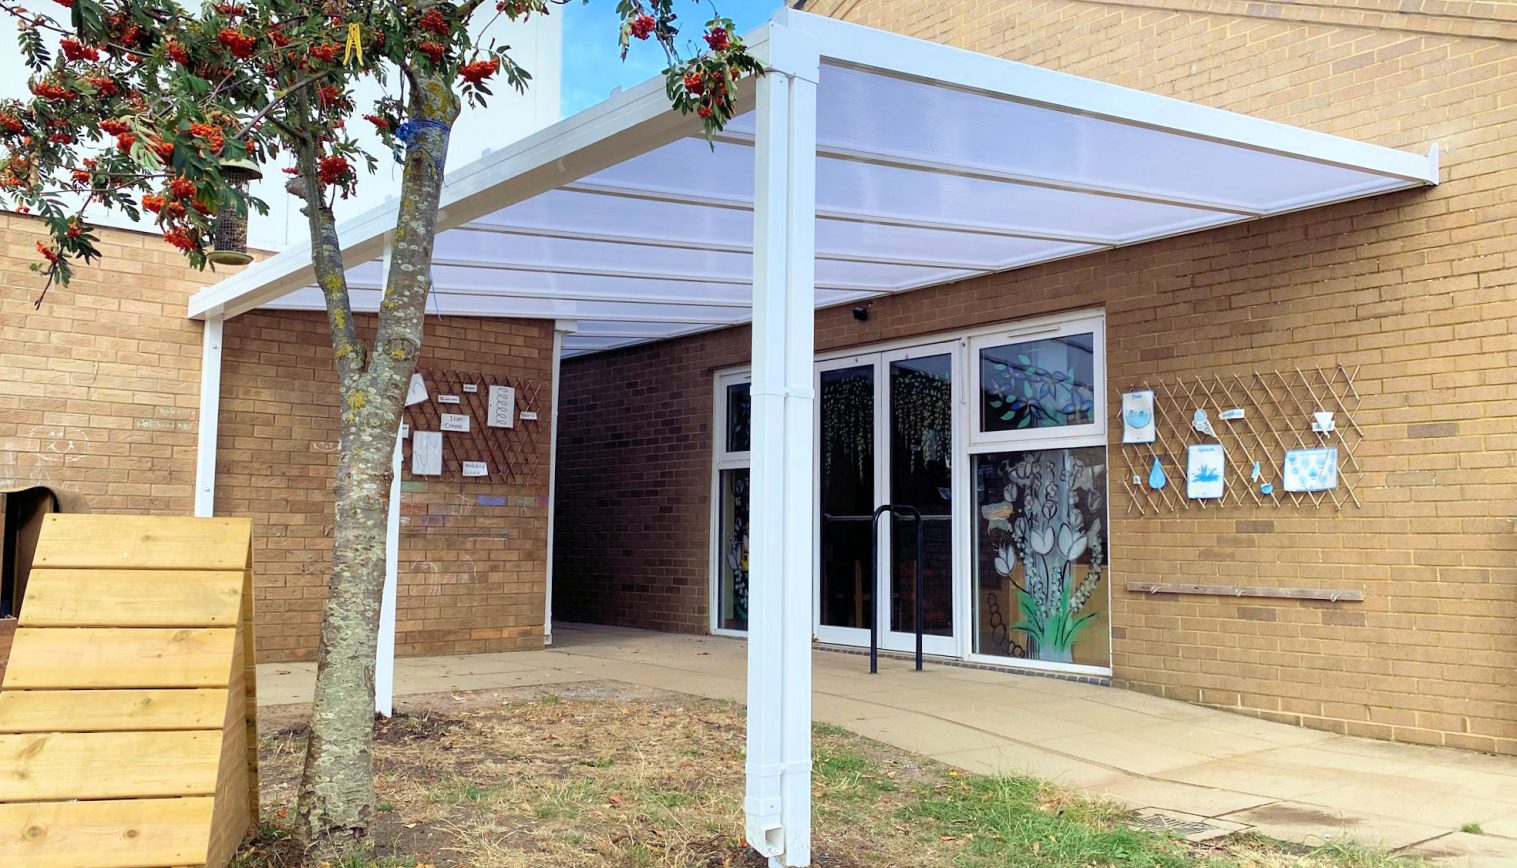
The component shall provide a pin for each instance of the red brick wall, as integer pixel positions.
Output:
(1417, 290)
(472, 554)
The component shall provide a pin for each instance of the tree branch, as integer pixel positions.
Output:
(326, 259)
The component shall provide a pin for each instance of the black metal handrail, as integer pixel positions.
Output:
(874, 582)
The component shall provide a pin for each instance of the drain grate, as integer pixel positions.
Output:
(1164, 823)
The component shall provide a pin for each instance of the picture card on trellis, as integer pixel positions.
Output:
(1311, 469)
(1138, 416)
(1204, 471)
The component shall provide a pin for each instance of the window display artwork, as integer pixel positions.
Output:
(1044, 383)
(1204, 471)
(1138, 417)
(1202, 424)
(1156, 477)
(1311, 469)
(733, 555)
(1041, 555)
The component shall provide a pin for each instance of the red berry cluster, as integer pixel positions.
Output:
(433, 21)
(333, 169)
(48, 253)
(210, 133)
(434, 50)
(328, 95)
(181, 238)
(113, 127)
(231, 9)
(73, 49)
(240, 44)
(479, 70)
(125, 141)
(643, 26)
(103, 85)
(178, 53)
(11, 124)
(181, 188)
(52, 90)
(719, 39)
(326, 52)
(379, 123)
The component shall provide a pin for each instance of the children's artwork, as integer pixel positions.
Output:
(1156, 477)
(1232, 415)
(455, 422)
(1322, 422)
(426, 453)
(1138, 416)
(1311, 469)
(1202, 424)
(416, 392)
(476, 468)
(1203, 475)
(502, 407)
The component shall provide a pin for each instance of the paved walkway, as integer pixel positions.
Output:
(1228, 770)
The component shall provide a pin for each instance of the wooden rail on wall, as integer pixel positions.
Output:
(127, 715)
(1329, 594)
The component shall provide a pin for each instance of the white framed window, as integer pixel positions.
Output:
(1037, 383)
(732, 435)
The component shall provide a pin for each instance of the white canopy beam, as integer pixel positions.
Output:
(783, 511)
(980, 173)
(652, 194)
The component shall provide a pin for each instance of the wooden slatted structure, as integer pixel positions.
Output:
(127, 715)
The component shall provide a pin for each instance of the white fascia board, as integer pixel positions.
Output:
(903, 56)
(628, 124)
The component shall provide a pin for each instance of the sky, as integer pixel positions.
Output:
(592, 69)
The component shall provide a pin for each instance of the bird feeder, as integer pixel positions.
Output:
(229, 229)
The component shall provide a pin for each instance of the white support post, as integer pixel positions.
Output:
(783, 513)
(210, 416)
(384, 658)
(384, 654)
(560, 328)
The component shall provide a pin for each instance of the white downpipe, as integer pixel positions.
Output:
(210, 417)
(384, 653)
(384, 657)
(783, 510)
(560, 328)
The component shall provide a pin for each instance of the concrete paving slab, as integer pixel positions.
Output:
(1202, 801)
(1315, 825)
(1124, 752)
(1264, 780)
(1469, 851)
(1008, 758)
(1384, 797)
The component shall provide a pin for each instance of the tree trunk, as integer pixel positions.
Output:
(337, 785)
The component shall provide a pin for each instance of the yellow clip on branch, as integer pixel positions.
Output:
(354, 46)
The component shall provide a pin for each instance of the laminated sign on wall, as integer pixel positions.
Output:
(426, 453)
(502, 407)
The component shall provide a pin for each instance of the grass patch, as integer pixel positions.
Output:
(1472, 829)
(605, 776)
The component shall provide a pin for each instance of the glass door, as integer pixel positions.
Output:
(886, 434)
(848, 486)
(922, 399)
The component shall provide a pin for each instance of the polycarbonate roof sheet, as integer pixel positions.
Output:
(920, 180)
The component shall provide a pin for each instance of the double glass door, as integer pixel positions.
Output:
(886, 436)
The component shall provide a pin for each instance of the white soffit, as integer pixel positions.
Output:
(933, 165)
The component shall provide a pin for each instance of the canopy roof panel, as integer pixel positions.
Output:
(933, 165)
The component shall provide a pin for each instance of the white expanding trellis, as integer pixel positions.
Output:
(864, 164)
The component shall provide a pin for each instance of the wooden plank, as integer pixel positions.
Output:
(103, 657)
(133, 598)
(108, 834)
(1329, 594)
(143, 542)
(107, 765)
(235, 813)
(110, 710)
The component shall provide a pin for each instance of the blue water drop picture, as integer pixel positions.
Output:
(1156, 477)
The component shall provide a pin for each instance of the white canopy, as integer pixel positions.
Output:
(869, 164)
(933, 164)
